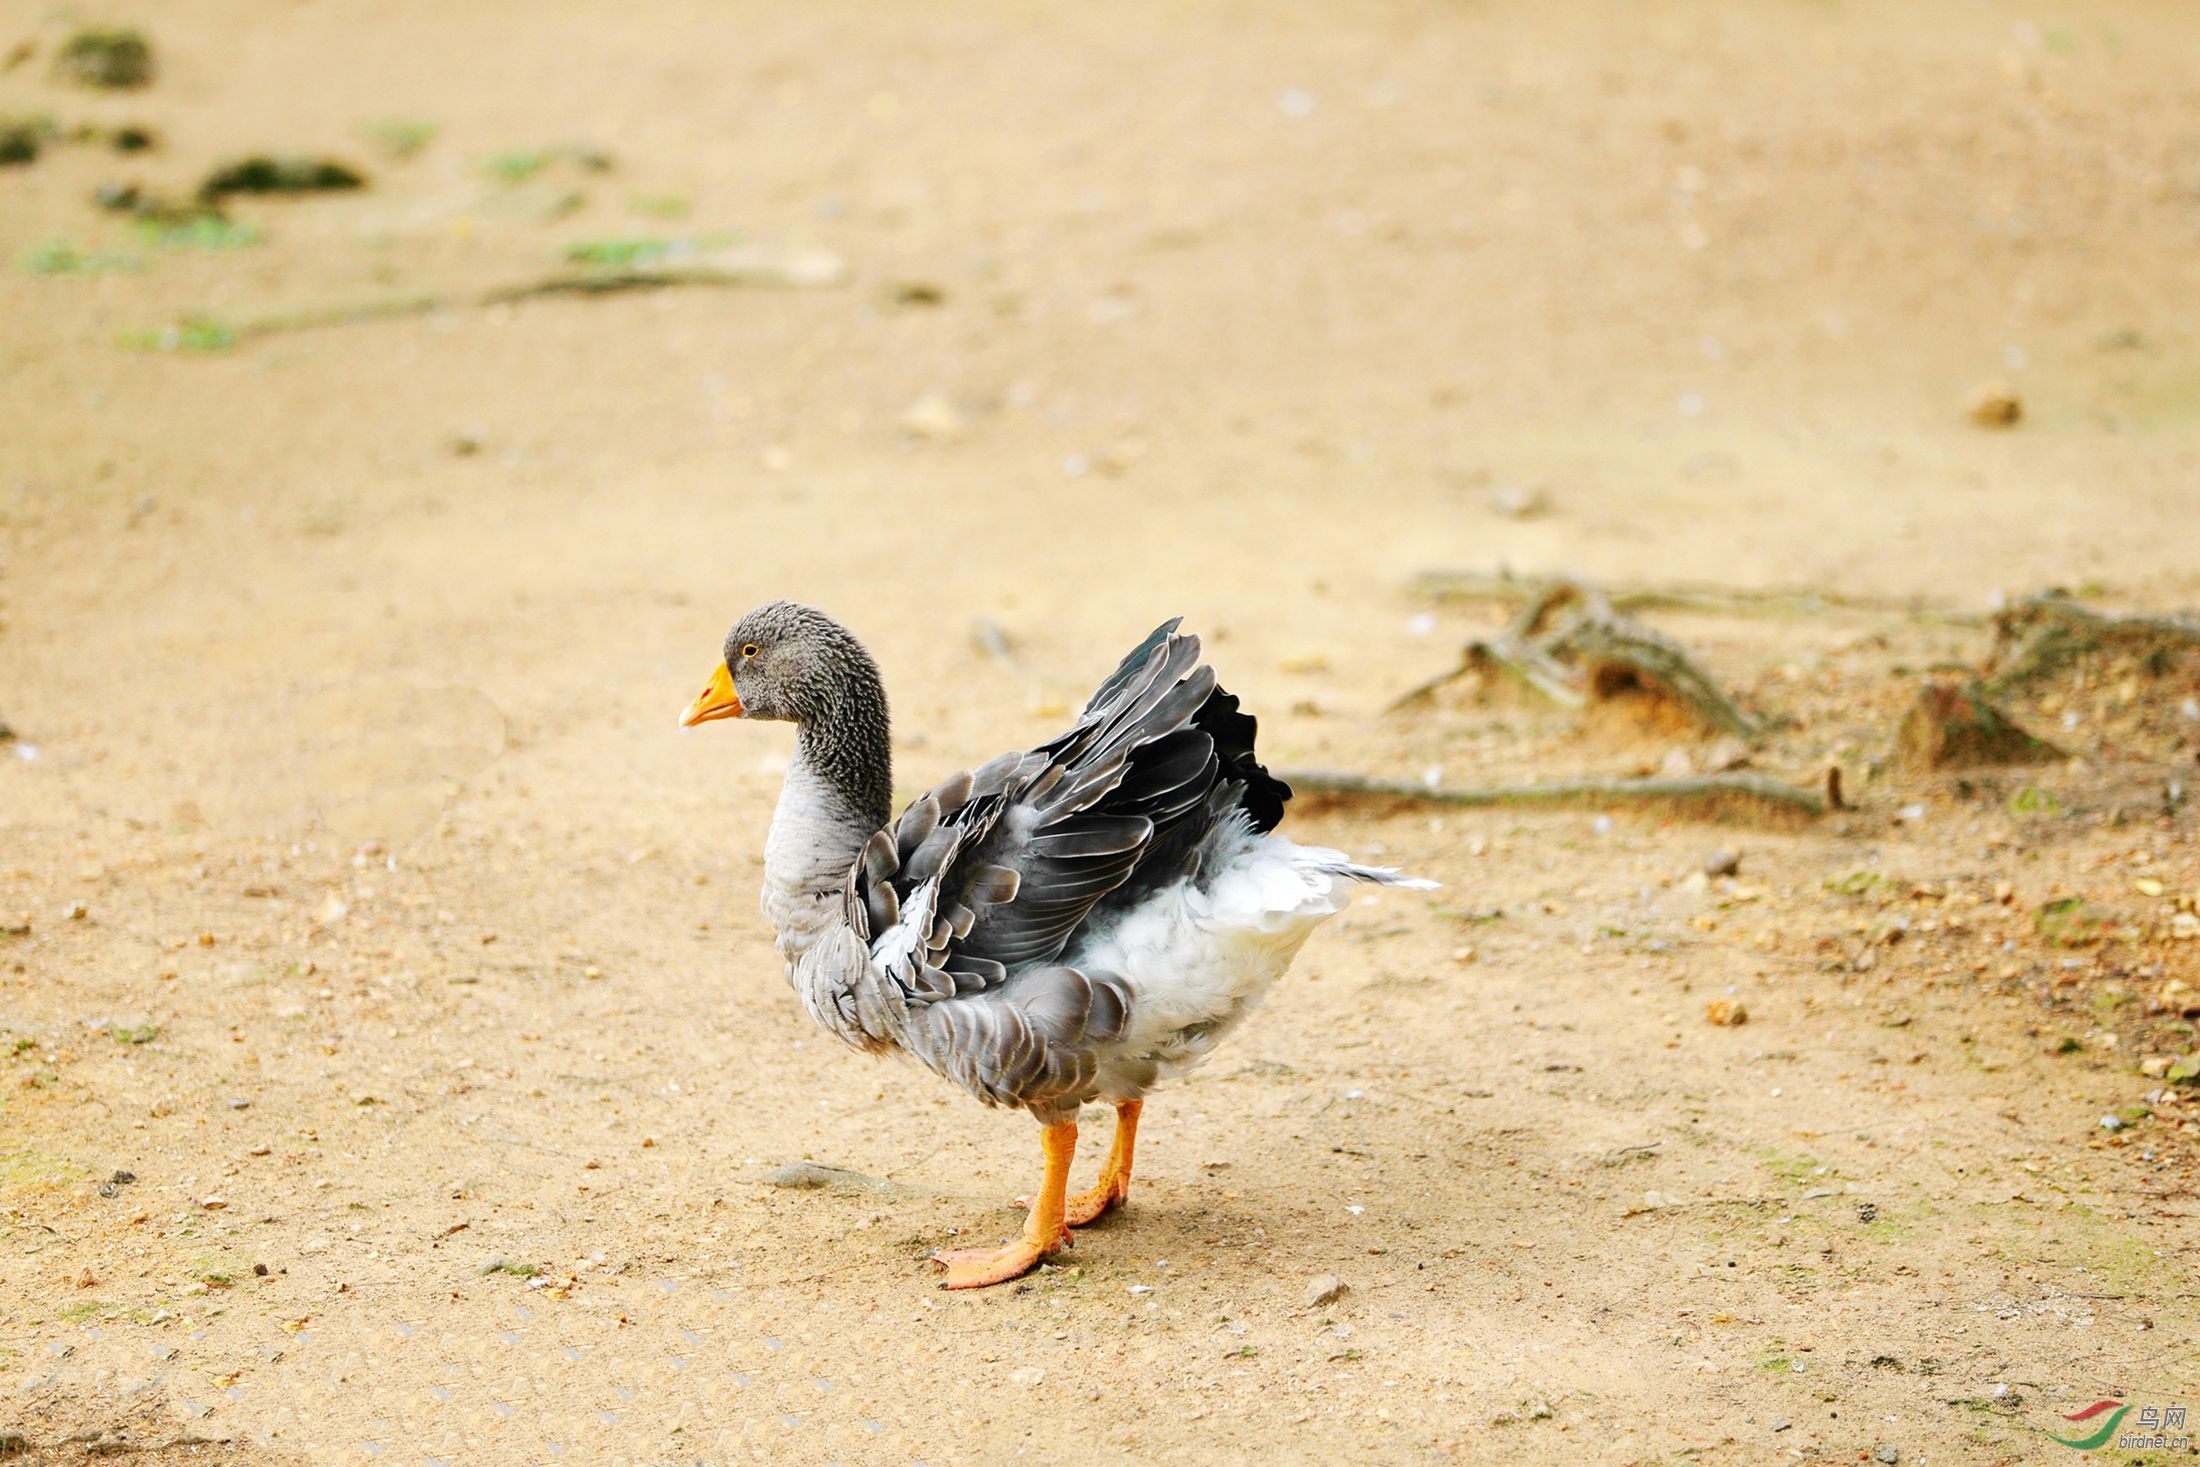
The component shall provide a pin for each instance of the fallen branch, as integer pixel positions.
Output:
(1717, 796)
(1570, 646)
(742, 266)
(2041, 635)
(1510, 590)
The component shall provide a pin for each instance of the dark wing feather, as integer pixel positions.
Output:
(988, 877)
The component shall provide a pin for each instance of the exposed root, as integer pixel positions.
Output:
(1740, 797)
(1952, 725)
(2042, 635)
(1569, 645)
(1511, 590)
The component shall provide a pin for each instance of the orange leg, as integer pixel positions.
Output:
(1114, 1187)
(1044, 1228)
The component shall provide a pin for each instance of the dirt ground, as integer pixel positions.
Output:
(360, 903)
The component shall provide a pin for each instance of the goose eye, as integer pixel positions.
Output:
(750, 649)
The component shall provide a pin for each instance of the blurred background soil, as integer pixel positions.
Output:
(391, 1054)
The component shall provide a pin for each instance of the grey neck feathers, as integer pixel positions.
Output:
(840, 790)
(847, 745)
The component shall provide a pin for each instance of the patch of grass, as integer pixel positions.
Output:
(659, 206)
(1796, 1171)
(2032, 800)
(21, 139)
(60, 257)
(133, 1033)
(198, 334)
(198, 232)
(263, 174)
(518, 166)
(2075, 922)
(34, 1168)
(115, 59)
(516, 1270)
(637, 252)
(401, 137)
(1861, 882)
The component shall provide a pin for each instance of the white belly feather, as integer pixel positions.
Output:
(1196, 961)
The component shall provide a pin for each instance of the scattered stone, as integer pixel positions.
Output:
(1727, 1013)
(118, 59)
(1781, 1423)
(1324, 1289)
(1886, 1452)
(906, 293)
(991, 638)
(1520, 504)
(804, 1175)
(2112, 1123)
(1722, 863)
(1995, 404)
(259, 1270)
(262, 174)
(213, 1204)
(1952, 725)
(933, 418)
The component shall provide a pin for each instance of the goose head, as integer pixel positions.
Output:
(789, 663)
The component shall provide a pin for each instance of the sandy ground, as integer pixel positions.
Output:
(360, 901)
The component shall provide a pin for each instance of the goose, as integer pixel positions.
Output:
(1056, 927)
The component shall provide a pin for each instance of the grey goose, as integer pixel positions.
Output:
(1065, 925)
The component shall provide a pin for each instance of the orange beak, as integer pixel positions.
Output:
(717, 700)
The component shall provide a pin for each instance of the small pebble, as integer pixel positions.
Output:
(1994, 405)
(1886, 1452)
(1727, 1013)
(933, 418)
(1722, 863)
(2112, 1123)
(1781, 1423)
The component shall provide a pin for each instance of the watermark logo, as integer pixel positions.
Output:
(2160, 1428)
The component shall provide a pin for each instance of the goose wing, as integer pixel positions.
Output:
(995, 870)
